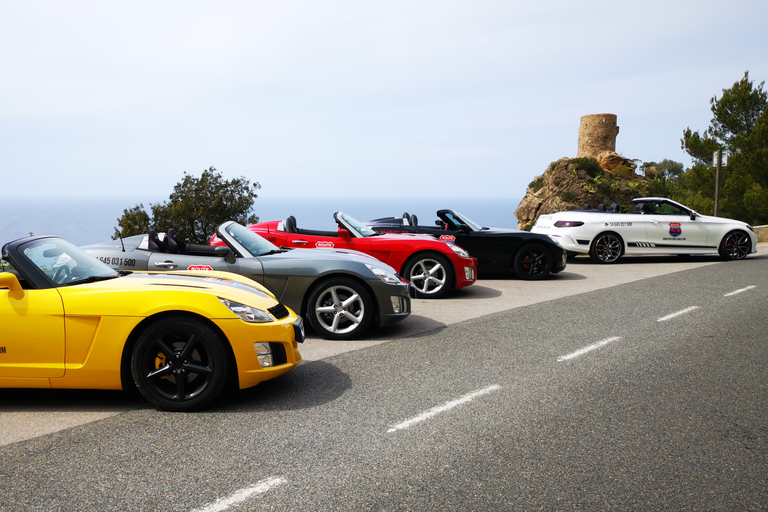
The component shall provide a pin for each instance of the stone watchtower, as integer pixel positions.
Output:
(597, 134)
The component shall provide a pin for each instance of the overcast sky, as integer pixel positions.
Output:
(367, 98)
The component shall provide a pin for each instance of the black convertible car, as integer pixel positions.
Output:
(499, 251)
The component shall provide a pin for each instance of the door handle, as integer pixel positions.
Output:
(166, 264)
(299, 242)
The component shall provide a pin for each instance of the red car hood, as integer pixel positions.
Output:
(266, 227)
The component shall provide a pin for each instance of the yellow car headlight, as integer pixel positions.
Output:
(247, 313)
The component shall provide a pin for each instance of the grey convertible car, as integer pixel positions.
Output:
(339, 292)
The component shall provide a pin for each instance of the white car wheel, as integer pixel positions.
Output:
(736, 245)
(606, 248)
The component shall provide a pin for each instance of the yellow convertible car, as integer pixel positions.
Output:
(70, 321)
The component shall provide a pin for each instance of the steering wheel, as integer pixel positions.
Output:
(62, 274)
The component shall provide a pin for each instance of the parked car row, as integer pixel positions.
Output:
(184, 322)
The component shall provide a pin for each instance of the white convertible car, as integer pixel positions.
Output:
(657, 226)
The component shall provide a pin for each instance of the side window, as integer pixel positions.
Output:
(669, 209)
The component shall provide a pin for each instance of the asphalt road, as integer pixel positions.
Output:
(638, 386)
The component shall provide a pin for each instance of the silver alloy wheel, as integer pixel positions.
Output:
(606, 248)
(735, 246)
(339, 309)
(428, 276)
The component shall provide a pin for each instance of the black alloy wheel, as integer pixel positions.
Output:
(532, 262)
(180, 364)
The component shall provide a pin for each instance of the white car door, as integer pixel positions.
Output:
(674, 233)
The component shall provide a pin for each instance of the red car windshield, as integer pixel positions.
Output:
(347, 221)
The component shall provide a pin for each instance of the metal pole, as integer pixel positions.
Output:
(717, 179)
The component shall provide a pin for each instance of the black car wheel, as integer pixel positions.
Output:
(533, 261)
(736, 245)
(606, 248)
(179, 364)
(340, 309)
(430, 274)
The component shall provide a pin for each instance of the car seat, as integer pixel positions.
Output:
(406, 219)
(601, 207)
(175, 244)
(155, 244)
(289, 226)
(414, 221)
(614, 208)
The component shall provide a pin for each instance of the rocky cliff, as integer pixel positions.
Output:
(570, 183)
(598, 175)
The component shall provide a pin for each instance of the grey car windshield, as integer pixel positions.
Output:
(253, 243)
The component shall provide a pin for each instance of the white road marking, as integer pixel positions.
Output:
(442, 408)
(739, 291)
(673, 315)
(588, 349)
(242, 495)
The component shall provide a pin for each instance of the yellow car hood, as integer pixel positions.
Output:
(147, 293)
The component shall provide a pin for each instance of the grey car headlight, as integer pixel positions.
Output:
(387, 277)
(458, 250)
(247, 313)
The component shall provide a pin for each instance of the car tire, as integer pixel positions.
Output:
(736, 245)
(340, 309)
(180, 364)
(431, 275)
(532, 262)
(606, 248)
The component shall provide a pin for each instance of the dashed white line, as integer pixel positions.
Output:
(259, 487)
(673, 315)
(588, 349)
(442, 408)
(739, 291)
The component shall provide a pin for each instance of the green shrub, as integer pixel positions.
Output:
(537, 183)
(588, 165)
(622, 171)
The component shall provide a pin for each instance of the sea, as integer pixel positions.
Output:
(88, 220)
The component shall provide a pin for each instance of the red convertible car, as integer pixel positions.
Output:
(432, 266)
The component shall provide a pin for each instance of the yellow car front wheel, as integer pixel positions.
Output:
(180, 364)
